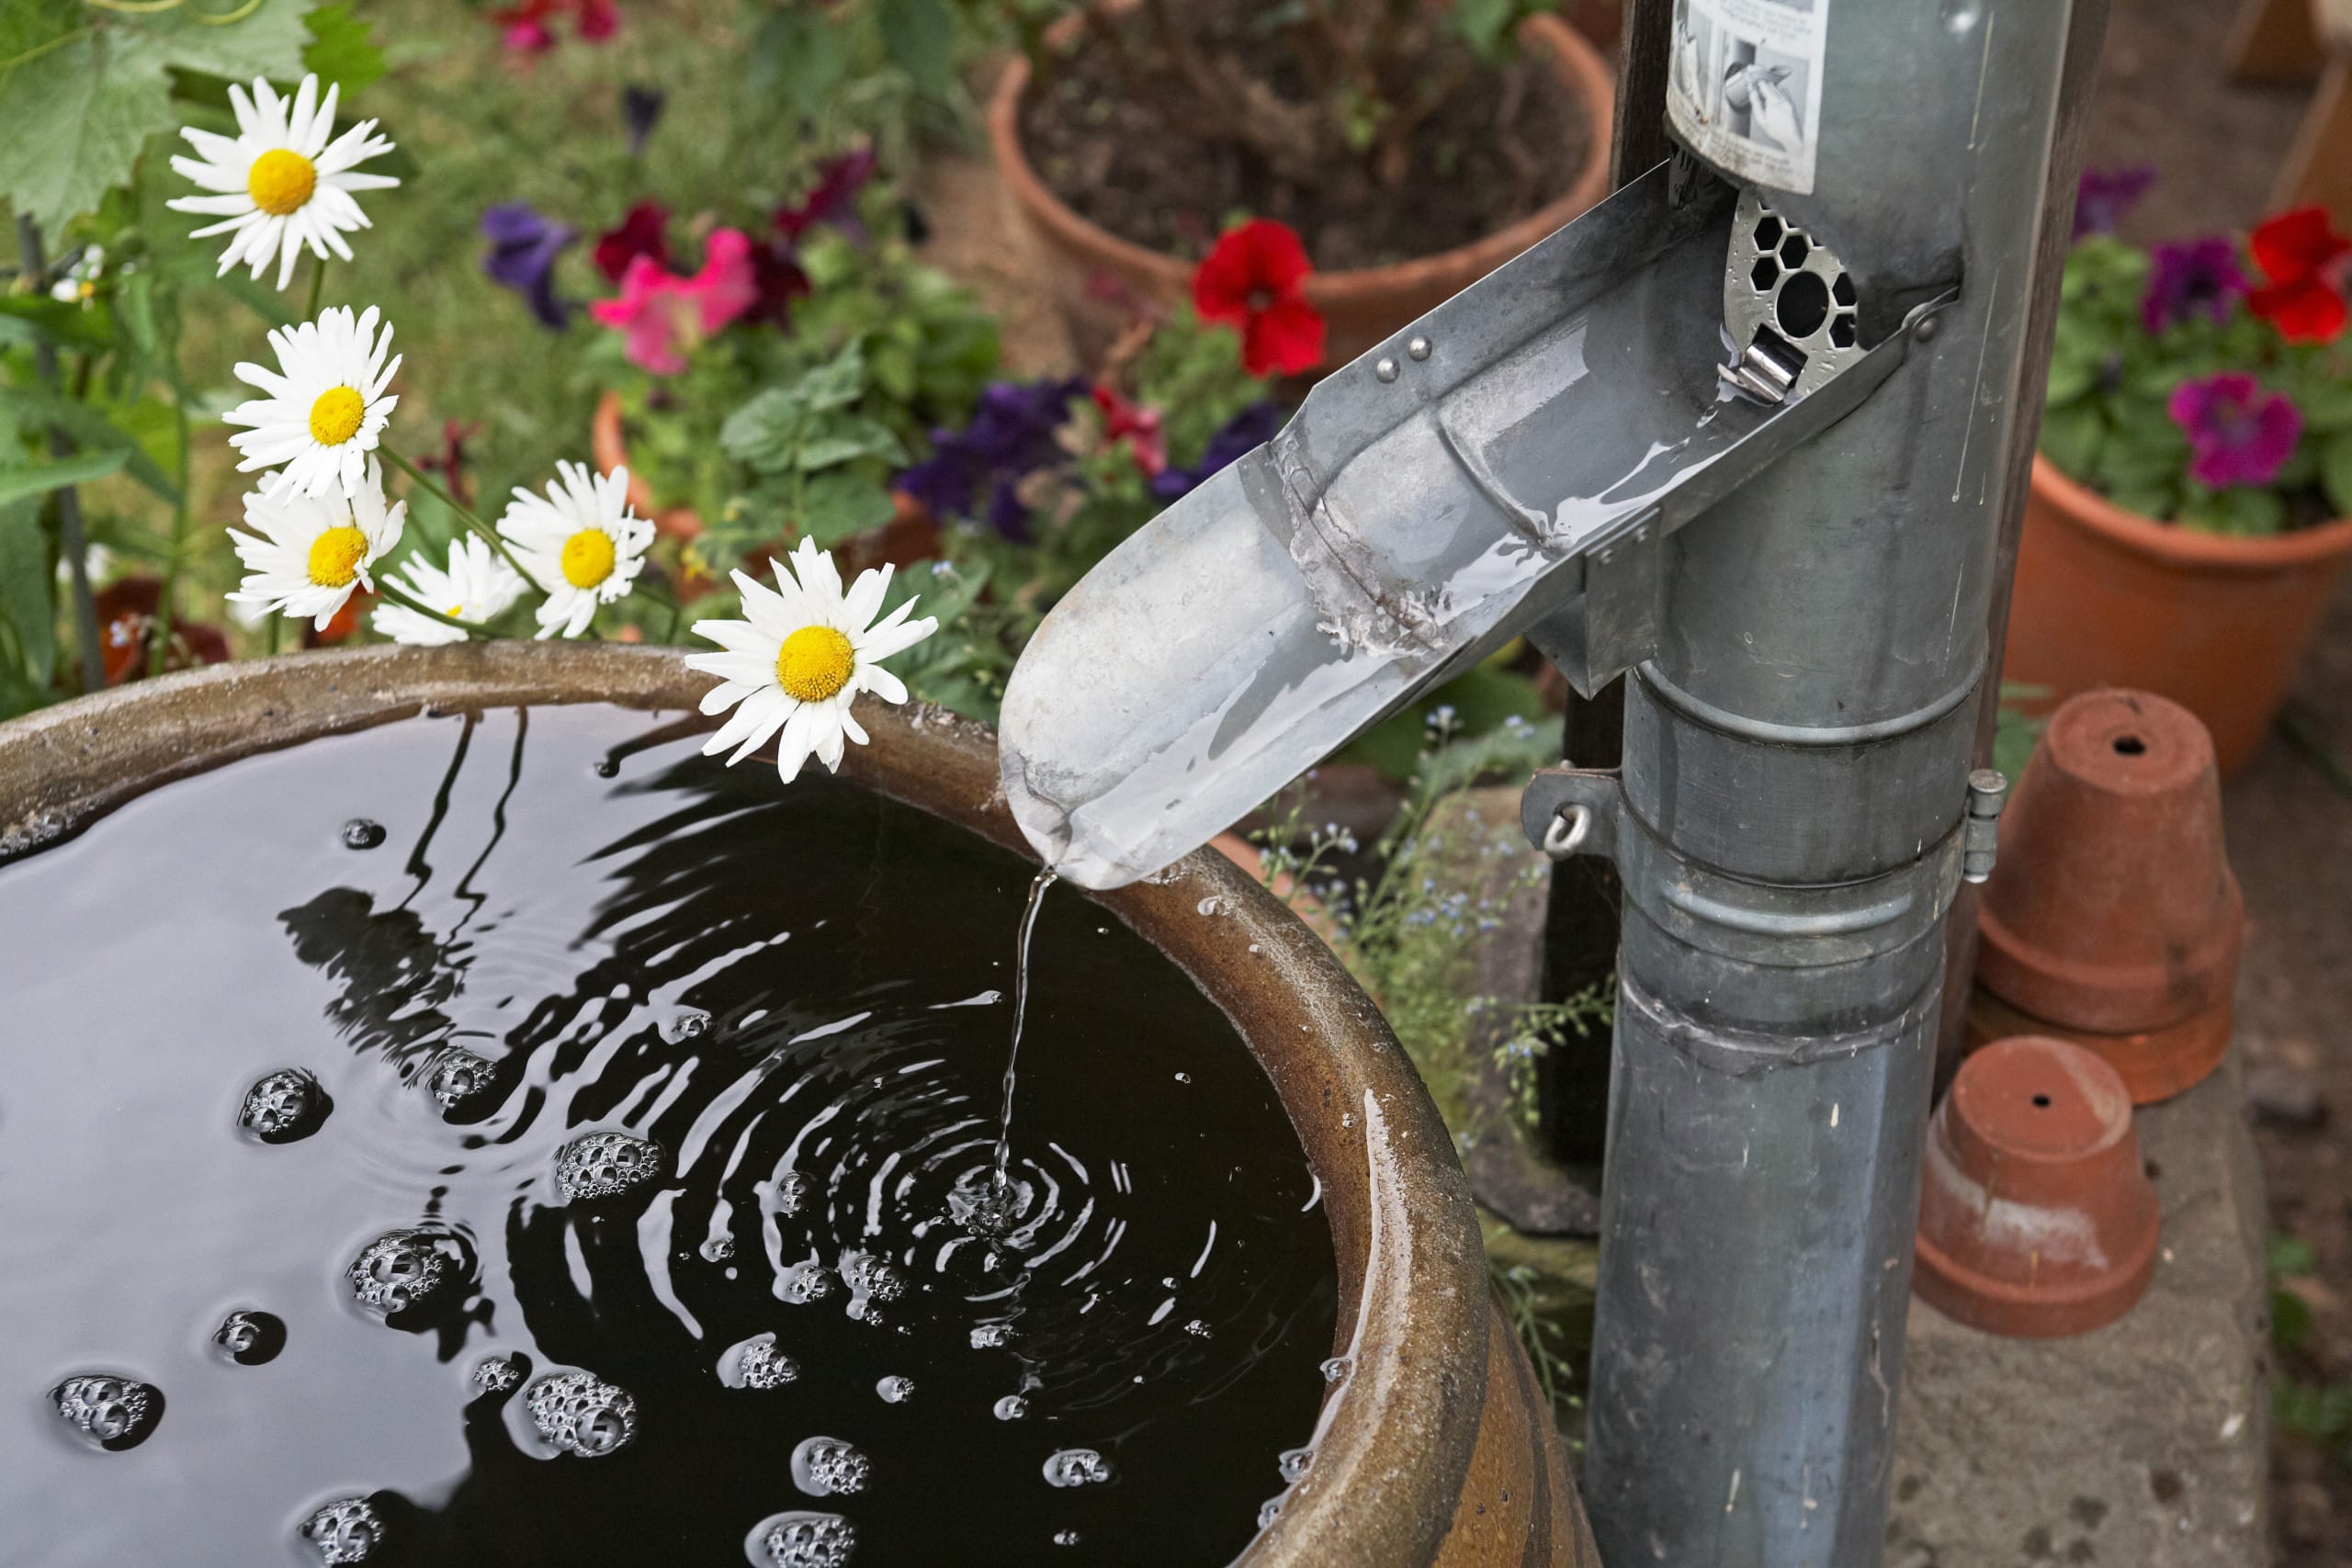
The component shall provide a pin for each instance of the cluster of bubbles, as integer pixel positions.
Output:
(1077, 1467)
(458, 1077)
(895, 1389)
(347, 1531)
(801, 1539)
(606, 1164)
(284, 1106)
(756, 1363)
(111, 1411)
(250, 1338)
(826, 1467)
(581, 1413)
(399, 1270)
(361, 834)
(497, 1374)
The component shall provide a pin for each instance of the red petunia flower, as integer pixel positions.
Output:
(2307, 264)
(1252, 279)
(1136, 426)
(642, 234)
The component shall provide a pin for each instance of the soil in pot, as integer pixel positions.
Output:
(517, 1138)
(1129, 143)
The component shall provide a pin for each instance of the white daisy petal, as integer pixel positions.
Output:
(305, 555)
(284, 182)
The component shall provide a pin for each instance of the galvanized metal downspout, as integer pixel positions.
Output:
(1791, 826)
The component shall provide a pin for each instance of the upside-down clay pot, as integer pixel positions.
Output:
(1361, 306)
(2113, 918)
(2036, 1217)
(2107, 597)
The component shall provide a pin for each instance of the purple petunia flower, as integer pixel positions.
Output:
(2103, 196)
(2238, 433)
(1013, 434)
(1253, 426)
(523, 248)
(2194, 277)
(641, 110)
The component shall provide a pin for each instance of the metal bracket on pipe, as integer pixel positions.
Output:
(1572, 811)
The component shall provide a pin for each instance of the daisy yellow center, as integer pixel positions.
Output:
(280, 181)
(588, 558)
(335, 417)
(335, 556)
(814, 663)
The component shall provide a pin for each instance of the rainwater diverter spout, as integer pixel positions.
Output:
(1742, 433)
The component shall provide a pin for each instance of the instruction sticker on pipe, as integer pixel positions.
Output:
(1744, 91)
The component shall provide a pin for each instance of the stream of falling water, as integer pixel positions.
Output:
(1044, 880)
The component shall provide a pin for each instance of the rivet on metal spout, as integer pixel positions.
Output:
(1988, 789)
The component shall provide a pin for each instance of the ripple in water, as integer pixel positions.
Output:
(667, 1122)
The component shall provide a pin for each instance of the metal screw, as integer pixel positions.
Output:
(1385, 370)
(1925, 331)
(1418, 348)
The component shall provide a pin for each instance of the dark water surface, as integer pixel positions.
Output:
(780, 1016)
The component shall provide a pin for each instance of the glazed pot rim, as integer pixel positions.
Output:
(2186, 548)
(1394, 1441)
(1574, 63)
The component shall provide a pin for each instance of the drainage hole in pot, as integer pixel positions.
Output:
(2129, 746)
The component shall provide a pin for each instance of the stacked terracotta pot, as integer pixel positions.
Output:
(2108, 944)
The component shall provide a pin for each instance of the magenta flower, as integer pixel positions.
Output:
(2104, 195)
(2238, 433)
(834, 202)
(664, 314)
(2194, 277)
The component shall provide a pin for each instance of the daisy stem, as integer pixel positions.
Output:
(385, 590)
(496, 540)
(318, 280)
(160, 647)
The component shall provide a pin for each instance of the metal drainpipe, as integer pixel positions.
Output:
(1790, 825)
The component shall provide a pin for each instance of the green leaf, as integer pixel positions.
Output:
(836, 384)
(24, 581)
(800, 54)
(837, 506)
(21, 480)
(2292, 1256)
(2072, 436)
(918, 36)
(2239, 510)
(1484, 26)
(90, 428)
(339, 51)
(847, 437)
(2336, 472)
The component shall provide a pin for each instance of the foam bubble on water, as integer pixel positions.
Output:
(716, 1249)
(1197, 1329)
(824, 1467)
(250, 1338)
(896, 1390)
(756, 1363)
(1335, 1369)
(1077, 1467)
(497, 1374)
(606, 767)
(801, 1539)
(581, 1414)
(1268, 1511)
(684, 1025)
(347, 1531)
(1292, 1463)
(112, 1411)
(992, 1335)
(397, 1270)
(1064, 1537)
(359, 833)
(1011, 1407)
(787, 1193)
(460, 1075)
(606, 1164)
(284, 1106)
(805, 1282)
(1211, 905)
(870, 1278)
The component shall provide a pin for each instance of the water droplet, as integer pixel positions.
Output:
(718, 1248)
(1212, 904)
(397, 1270)
(756, 1363)
(109, 1410)
(980, 1205)
(459, 1076)
(604, 1164)
(803, 1282)
(683, 1025)
(1011, 1407)
(1064, 1537)
(824, 1467)
(346, 1530)
(1077, 1467)
(1183, 1077)
(788, 1192)
(1268, 1511)
(896, 1390)
(497, 1374)
(1292, 1463)
(361, 834)
(1335, 1369)
(284, 1106)
(802, 1540)
(607, 767)
(1197, 1329)
(992, 1335)
(1255, 948)
(250, 1338)
(582, 1414)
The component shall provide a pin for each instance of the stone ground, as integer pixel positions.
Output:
(2160, 100)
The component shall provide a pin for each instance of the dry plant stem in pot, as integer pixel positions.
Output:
(2107, 597)
(1360, 306)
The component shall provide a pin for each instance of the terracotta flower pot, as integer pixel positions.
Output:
(2036, 1217)
(1360, 307)
(911, 535)
(2107, 597)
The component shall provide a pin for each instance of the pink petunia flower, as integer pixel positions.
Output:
(2238, 433)
(664, 315)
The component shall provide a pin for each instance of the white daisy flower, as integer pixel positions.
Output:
(324, 406)
(580, 543)
(308, 552)
(282, 184)
(478, 587)
(807, 650)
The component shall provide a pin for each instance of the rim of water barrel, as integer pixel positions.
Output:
(1393, 1442)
